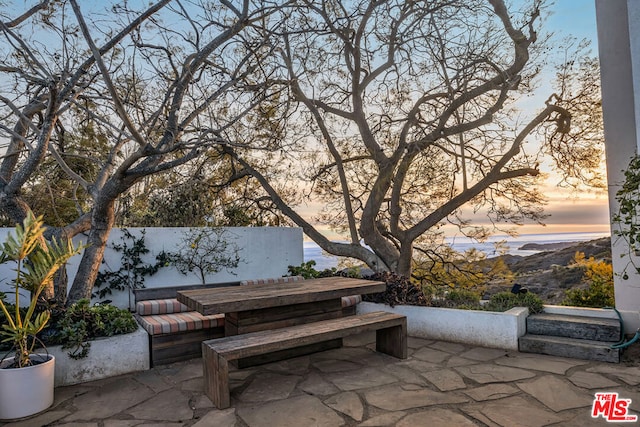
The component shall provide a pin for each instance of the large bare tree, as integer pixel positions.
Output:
(394, 114)
(147, 89)
(406, 114)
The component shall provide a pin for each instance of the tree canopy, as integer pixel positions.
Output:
(107, 95)
(394, 115)
(400, 114)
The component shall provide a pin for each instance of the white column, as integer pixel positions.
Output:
(618, 24)
(633, 22)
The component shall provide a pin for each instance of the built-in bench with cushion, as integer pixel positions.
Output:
(391, 338)
(286, 279)
(175, 331)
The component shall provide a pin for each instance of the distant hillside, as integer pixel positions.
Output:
(549, 273)
(546, 246)
(563, 255)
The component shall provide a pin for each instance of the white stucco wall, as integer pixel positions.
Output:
(264, 252)
(108, 357)
(483, 328)
(619, 50)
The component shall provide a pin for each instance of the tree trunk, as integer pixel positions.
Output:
(403, 266)
(60, 284)
(62, 234)
(102, 221)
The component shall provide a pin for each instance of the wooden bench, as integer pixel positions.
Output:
(391, 338)
(175, 332)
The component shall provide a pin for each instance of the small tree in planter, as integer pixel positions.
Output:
(205, 250)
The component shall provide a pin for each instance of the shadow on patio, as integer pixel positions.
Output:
(440, 384)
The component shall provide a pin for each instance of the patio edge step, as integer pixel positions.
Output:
(579, 327)
(569, 347)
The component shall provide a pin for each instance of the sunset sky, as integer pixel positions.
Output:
(584, 211)
(569, 211)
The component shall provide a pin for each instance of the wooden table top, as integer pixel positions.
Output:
(251, 297)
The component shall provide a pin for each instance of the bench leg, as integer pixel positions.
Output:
(216, 378)
(393, 340)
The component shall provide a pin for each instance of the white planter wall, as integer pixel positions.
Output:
(482, 328)
(108, 357)
(264, 251)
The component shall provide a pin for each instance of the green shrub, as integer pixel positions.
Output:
(504, 301)
(307, 271)
(463, 296)
(80, 323)
(597, 295)
(598, 276)
(464, 299)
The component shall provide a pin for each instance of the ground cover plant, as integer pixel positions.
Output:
(75, 327)
(402, 291)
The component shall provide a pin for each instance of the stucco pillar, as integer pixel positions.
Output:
(618, 24)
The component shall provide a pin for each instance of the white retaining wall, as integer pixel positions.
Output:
(108, 357)
(264, 252)
(474, 327)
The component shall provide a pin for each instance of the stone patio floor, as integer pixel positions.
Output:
(440, 384)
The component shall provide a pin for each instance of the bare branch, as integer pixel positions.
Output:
(115, 97)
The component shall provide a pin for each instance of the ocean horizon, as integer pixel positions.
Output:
(461, 244)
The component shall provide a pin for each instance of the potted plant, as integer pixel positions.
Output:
(27, 379)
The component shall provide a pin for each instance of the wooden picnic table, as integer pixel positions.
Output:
(253, 308)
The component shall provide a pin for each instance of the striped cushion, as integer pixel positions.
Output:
(351, 300)
(160, 306)
(157, 324)
(272, 280)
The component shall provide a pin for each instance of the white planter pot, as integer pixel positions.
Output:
(26, 391)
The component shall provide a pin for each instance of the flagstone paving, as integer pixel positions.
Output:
(440, 384)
